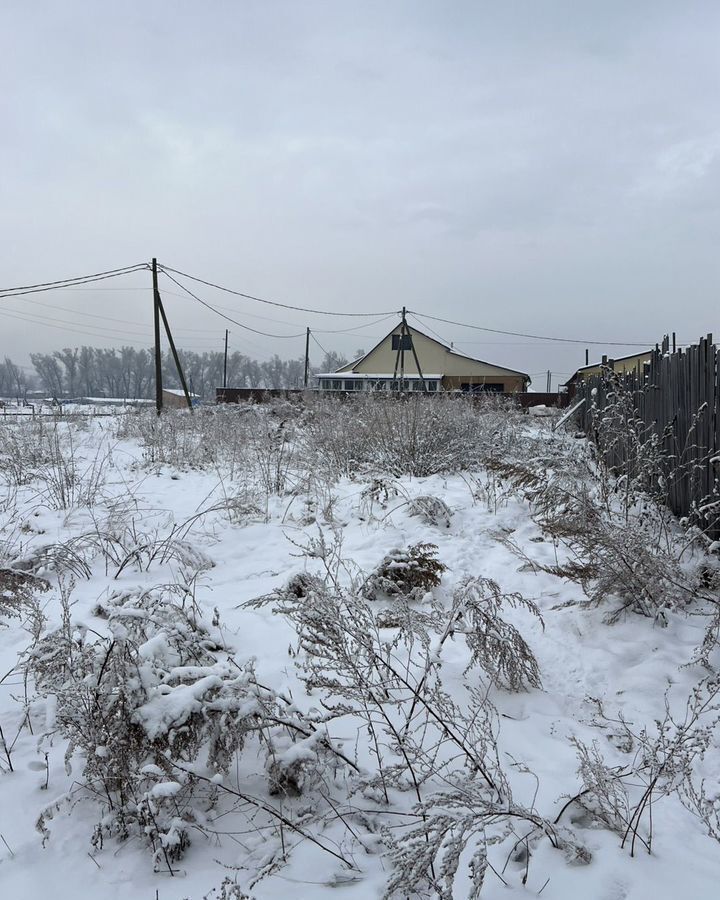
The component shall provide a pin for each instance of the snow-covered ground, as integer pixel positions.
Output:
(12, 410)
(234, 530)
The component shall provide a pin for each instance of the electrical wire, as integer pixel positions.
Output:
(424, 325)
(234, 309)
(78, 312)
(319, 344)
(320, 312)
(70, 282)
(36, 319)
(74, 282)
(122, 269)
(537, 337)
(353, 330)
(415, 313)
(69, 329)
(223, 316)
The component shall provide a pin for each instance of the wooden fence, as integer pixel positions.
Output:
(675, 403)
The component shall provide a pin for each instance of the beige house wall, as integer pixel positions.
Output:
(510, 383)
(434, 357)
(620, 366)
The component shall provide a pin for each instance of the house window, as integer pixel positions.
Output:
(336, 384)
(432, 385)
(402, 342)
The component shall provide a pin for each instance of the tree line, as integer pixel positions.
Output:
(129, 372)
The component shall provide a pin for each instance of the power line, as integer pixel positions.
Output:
(536, 337)
(320, 312)
(357, 327)
(223, 316)
(70, 282)
(319, 344)
(424, 315)
(74, 282)
(70, 328)
(35, 319)
(235, 310)
(27, 287)
(31, 316)
(429, 328)
(78, 312)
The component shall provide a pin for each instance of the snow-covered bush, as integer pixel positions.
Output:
(23, 449)
(623, 547)
(156, 713)
(662, 759)
(409, 572)
(432, 510)
(48, 456)
(177, 438)
(440, 749)
(272, 449)
(416, 435)
(632, 452)
(19, 596)
(497, 647)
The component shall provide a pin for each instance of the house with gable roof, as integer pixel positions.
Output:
(407, 359)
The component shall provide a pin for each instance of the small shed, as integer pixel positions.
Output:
(175, 399)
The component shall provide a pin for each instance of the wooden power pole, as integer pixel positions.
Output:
(156, 322)
(406, 336)
(174, 353)
(307, 356)
(159, 311)
(225, 361)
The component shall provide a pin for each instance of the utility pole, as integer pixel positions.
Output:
(549, 380)
(587, 357)
(159, 311)
(225, 361)
(156, 320)
(414, 352)
(174, 353)
(405, 333)
(307, 356)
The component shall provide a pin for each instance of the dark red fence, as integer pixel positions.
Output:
(261, 395)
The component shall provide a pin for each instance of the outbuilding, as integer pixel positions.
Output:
(175, 399)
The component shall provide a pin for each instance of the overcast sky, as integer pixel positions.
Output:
(539, 166)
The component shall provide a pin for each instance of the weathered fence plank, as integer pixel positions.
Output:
(675, 398)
